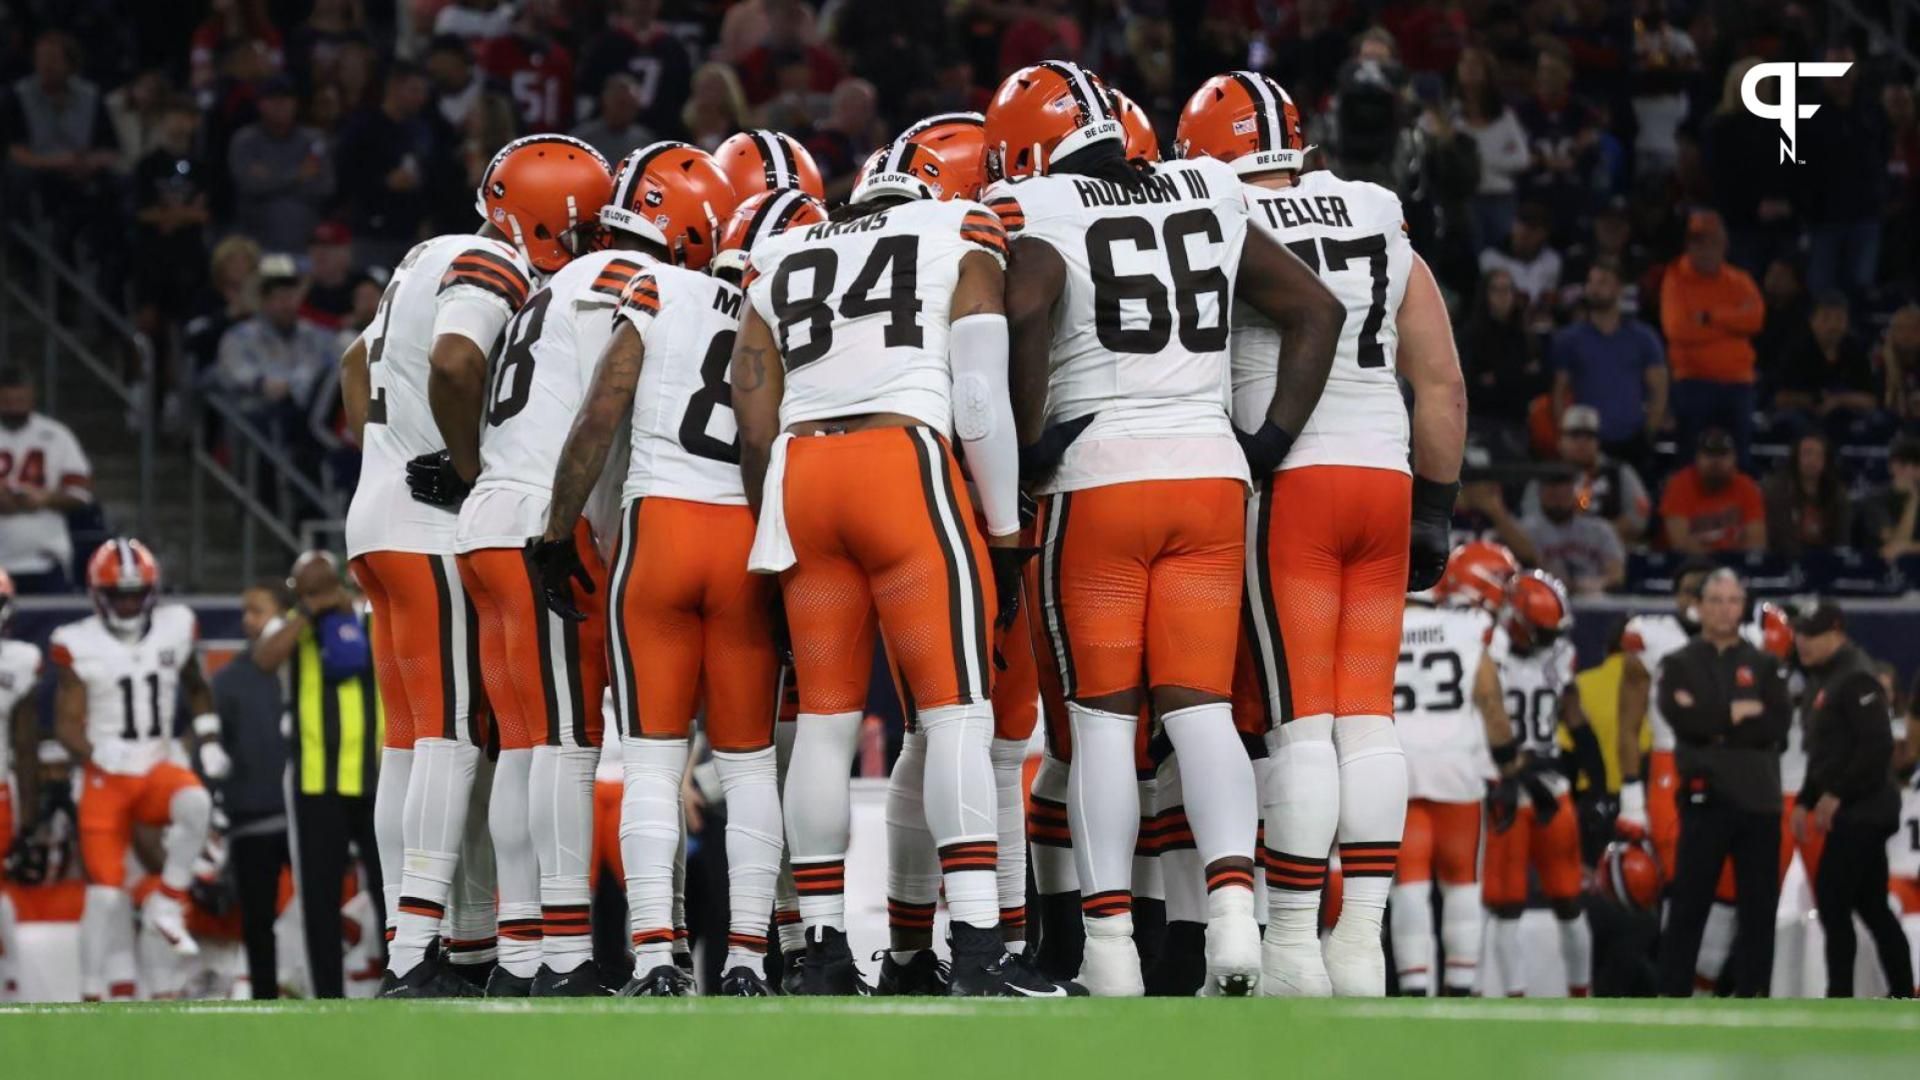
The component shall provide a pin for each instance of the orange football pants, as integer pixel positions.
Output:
(1326, 588)
(1552, 849)
(881, 525)
(112, 803)
(544, 675)
(690, 622)
(1442, 843)
(426, 647)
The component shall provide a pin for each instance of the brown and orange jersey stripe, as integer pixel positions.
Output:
(640, 293)
(985, 230)
(614, 277)
(1007, 208)
(496, 274)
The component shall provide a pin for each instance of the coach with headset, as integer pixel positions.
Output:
(334, 725)
(1728, 703)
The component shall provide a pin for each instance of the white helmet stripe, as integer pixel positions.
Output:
(773, 149)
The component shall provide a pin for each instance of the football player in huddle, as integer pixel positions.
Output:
(1530, 807)
(121, 671)
(871, 338)
(1325, 592)
(1445, 683)
(1118, 302)
(413, 385)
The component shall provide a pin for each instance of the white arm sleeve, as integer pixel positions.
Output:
(983, 417)
(471, 312)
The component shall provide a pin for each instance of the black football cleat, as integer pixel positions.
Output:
(744, 982)
(830, 970)
(982, 967)
(926, 975)
(429, 979)
(1063, 936)
(1181, 968)
(505, 984)
(793, 974)
(582, 981)
(663, 981)
(477, 975)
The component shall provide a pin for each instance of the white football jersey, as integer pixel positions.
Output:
(133, 688)
(1903, 847)
(1441, 646)
(40, 455)
(1532, 684)
(537, 380)
(860, 308)
(1354, 235)
(1141, 332)
(685, 443)
(451, 284)
(19, 673)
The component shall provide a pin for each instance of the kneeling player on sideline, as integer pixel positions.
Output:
(1326, 588)
(1537, 696)
(1445, 677)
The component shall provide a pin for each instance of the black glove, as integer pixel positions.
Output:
(1544, 802)
(1503, 803)
(556, 565)
(434, 481)
(1432, 523)
(1038, 462)
(1265, 449)
(1009, 564)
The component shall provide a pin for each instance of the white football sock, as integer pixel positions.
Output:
(1461, 923)
(1148, 882)
(435, 819)
(389, 813)
(1373, 815)
(188, 813)
(515, 866)
(562, 825)
(1263, 783)
(1303, 813)
(1716, 943)
(1507, 955)
(961, 803)
(1052, 844)
(1103, 811)
(1183, 878)
(1413, 948)
(106, 907)
(473, 916)
(649, 838)
(1009, 758)
(1217, 781)
(749, 783)
(817, 802)
(1576, 949)
(913, 864)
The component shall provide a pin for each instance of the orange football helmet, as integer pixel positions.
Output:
(1043, 113)
(675, 195)
(903, 169)
(1628, 872)
(1478, 573)
(1246, 120)
(960, 138)
(764, 215)
(1537, 610)
(764, 160)
(1141, 141)
(544, 193)
(1776, 630)
(123, 577)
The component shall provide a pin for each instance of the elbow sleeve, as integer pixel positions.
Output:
(983, 417)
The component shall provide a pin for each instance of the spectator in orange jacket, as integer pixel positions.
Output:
(1711, 506)
(1710, 312)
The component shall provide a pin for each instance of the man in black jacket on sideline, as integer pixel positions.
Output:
(1728, 703)
(1849, 795)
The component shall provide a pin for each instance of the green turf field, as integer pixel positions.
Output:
(912, 1040)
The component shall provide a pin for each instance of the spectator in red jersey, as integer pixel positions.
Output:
(535, 67)
(787, 45)
(1711, 506)
(638, 44)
